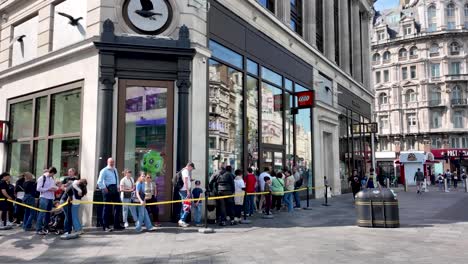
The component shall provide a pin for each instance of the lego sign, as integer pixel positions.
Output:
(305, 99)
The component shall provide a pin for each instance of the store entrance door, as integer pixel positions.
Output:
(273, 158)
(145, 134)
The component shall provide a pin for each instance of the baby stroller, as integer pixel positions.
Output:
(57, 222)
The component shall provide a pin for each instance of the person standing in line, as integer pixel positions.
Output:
(261, 182)
(277, 190)
(46, 187)
(289, 186)
(197, 205)
(143, 216)
(225, 186)
(127, 188)
(355, 183)
(19, 194)
(250, 182)
(108, 182)
(299, 180)
(29, 187)
(267, 188)
(419, 179)
(151, 194)
(75, 191)
(239, 187)
(185, 191)
(6, 208)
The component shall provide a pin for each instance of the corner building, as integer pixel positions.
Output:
(420, 79)
(157, 85)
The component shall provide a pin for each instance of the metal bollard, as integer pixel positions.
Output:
(466, 184)
(206, 229)
(387, 181)
(406, 185)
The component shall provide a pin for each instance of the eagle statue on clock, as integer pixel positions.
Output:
(148, 17)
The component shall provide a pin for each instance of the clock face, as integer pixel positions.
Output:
(147, 16)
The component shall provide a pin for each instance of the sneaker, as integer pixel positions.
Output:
(8, 223)
(108, 230)
(126, 224)
(41, 233)
(151, 229)
(65, 236)
(81, 232)
(182, 224)
(137, 223)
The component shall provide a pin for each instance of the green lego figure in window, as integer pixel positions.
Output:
(152, 163)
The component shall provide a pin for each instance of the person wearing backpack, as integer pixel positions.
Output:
(184, 184)
(46, 187)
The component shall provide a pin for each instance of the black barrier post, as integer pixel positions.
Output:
(307, 197)
(245, 221)
(325, 182)
(206, 230)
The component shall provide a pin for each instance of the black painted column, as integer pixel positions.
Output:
(183, 85)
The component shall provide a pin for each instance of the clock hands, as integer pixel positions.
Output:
(146, 10)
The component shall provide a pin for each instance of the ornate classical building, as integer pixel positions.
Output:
(420, 76)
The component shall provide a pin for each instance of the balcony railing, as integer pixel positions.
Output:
(435, 103)
(459, 102)
(412, 57)
(434, 54)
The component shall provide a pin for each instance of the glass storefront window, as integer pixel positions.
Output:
(226, 54)
(40, 159)
(252, 121)
(226, 116)
(41, 117)
(20, 158)
(272, 115)
(66, 112)
(64, 154)
(272, 76)
(288, 85)
(289, 124)
(252, 67)
(21, 119)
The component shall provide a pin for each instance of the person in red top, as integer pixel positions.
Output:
(250, 183)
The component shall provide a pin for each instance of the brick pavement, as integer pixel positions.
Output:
(434, 230)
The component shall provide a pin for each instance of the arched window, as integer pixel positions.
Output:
(454, 48)
(376, 57)
(386, 56)
(413, 52)
(410, 96)
(402, 54)
(434, 50)
(436, 96)
(450, 16)
(432, 18)
(383, 99)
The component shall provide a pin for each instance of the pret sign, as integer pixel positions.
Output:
(305, 99)
(449, 153)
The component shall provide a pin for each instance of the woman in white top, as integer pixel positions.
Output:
(239, 192)
(127, 188)
(151, 192)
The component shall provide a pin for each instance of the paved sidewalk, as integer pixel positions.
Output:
(434, 230)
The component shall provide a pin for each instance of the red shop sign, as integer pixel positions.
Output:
(451, 153)
(3, 125)
(305, 99)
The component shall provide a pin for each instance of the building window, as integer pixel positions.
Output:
(52, 137)
(434, 50)
(383, 99)
(252, 121)
(402, 54)
(404, 73)
(412, 120)
(410, 143)
(384, 122)
(436, 143)
(319, 24)
(432, 18)
(296, 16)
(454, 48)
(268, 4)
(386, 76)
(408, 30)
(436, 120)
(464, 142)
(410, 96)
(413, 52)
(455, 68)
(456, 96)
(458, 119)
(272, 114)
(386, 56)
(455, 143)
(413, 72)
(435, 97)
(377, 77)
(435, 70)
(381, 35)
(384, 144)
(376, 58)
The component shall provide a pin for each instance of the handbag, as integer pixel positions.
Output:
(128, 195)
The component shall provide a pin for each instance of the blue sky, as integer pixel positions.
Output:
(384, 4)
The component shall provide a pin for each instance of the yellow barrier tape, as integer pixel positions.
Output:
(160, 203)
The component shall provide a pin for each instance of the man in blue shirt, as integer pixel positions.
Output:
(108, 183)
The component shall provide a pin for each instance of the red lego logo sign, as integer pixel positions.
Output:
(2, 131)
(305, 99)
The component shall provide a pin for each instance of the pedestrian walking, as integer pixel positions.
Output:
(185, 191)
(455, 181)
(250, 182)
(289, 187)
(463, 178)
(46, 187)
(225, 187)
(197, 205)
(239, 192)
(448, 177)
(7, 191)
(277, 190)
(127, 190)
(419, 179)
(29, 187)
(108, 182)
(440, 182)
(151, 194)
(355, 183)
(143, 216)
